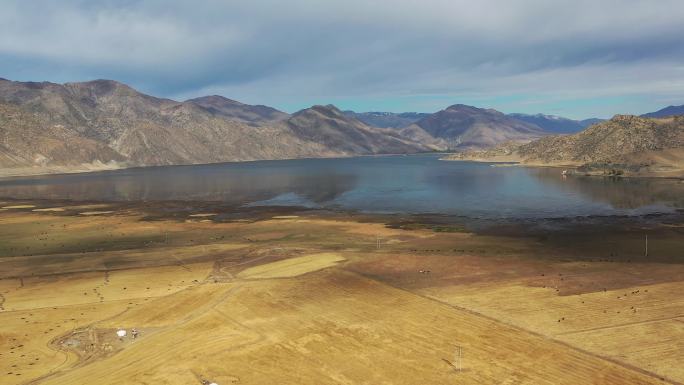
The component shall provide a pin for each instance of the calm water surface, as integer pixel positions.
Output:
(387, 184)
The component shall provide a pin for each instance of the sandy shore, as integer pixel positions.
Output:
(285, 295)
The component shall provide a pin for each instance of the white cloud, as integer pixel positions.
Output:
(300, 50)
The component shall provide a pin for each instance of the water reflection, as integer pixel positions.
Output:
(232, 183)
(624, 193)
(404, 184)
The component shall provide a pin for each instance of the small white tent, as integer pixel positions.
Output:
(121, 333)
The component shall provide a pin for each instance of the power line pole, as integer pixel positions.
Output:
(460, 358)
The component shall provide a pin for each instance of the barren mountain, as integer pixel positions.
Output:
(623, 144)
(330, 126)
(464, 127)
(667, 111)
(387, 119)
(27, 139)
(234, 110)
(555, 124)
(106, 124)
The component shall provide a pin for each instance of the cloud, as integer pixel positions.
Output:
(293, 53)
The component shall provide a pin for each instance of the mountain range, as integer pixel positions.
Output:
(623, 145)
(461, 127)
(48, 127)
(665, 112)
(387, 119)
(549, 123)
(556, 124)
(103, 124)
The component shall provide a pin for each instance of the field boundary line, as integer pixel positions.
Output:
(531, 332)
(655, 320)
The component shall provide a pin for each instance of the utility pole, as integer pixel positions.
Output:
(459, 358)
(646, 249)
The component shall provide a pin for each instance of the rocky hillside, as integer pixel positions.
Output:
(615, 140)
(329, 126)
(106, 124)
(623, 144)
(29, 139)
(464, 127)
(387, 119)
(234, 110)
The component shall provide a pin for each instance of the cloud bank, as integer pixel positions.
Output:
(576, 58)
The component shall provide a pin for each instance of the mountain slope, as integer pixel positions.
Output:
(106, 122)
(627, 143)
(667, 111)
(330, 126)
(387, 119)
(588, 122)
(29, 139)
(466, 127)
(613, 141)
(235, 110)
(554, 124)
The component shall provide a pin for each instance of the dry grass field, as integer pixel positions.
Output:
(318, 298)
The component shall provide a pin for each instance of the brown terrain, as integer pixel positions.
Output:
(623, 145)
(462, 127)
(309, 297)
(103, 124)
(47, 127)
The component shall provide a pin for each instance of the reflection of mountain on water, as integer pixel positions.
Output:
(623, 193)
(410, 184)
(239, 184)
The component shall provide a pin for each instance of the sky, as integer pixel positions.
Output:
(576, 58)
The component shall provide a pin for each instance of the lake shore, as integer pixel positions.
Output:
(236, 289)
(572, 168)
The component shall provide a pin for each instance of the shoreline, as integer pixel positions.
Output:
(224, 212)
(6, 173)
(678, 174)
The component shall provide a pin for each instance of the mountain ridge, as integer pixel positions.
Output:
(465, 127)
(664, 112)
(126, 128)
(625, 144)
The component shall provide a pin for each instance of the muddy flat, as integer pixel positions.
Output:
(331, 298)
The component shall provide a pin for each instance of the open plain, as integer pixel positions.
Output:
(313, 297)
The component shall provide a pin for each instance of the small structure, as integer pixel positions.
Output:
(134, 333)
(121, 333)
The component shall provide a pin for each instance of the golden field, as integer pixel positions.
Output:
(318, 298)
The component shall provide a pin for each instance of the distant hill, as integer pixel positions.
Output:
(627, 143)
(588, 122)
(465, 127)
(329, 126)
(667, 111)
(387, 119)
(234, 110)
(556, 124)
(48, 127)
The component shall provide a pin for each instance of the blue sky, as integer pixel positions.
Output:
(573, 58)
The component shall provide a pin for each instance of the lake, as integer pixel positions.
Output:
(379, 184)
